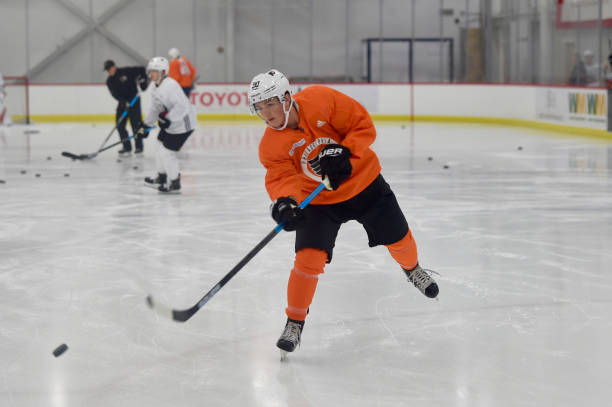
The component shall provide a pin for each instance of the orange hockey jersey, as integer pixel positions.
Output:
(182, 71)
(326, 117)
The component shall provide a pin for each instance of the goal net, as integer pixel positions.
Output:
(17, 98)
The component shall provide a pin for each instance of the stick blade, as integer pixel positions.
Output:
(167, 312)
(73, 156)
(184, 315)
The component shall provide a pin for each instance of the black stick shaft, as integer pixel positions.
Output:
(114, 144)
(123, 116)
(184, 315)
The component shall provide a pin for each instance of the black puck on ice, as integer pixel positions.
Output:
(429, 158)
(38, 175)
(66, 175)
(60, 350)
(2, 181)
(519, 148)
(446, 167)
(118, 160)
(135, 167)
(23, 171)
(49, 158)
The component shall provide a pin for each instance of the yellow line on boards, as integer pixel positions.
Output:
(574, 130)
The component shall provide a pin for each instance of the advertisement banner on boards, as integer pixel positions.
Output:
(572, 107)
(233, 98)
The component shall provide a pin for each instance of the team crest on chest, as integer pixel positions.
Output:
(310, 160)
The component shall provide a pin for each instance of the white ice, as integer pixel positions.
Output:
(521, 238)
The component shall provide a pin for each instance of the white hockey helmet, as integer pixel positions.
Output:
(158, 64)
(268, 85)
(174, 53)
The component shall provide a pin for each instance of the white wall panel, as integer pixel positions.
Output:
(253, 38)
(50, 26)
(329, 38)
(13, 39)
(530, 103)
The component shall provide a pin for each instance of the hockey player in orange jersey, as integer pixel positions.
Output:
(322, 134)
(181, 70)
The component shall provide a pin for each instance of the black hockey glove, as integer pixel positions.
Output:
(335, 164)
(143, 82)
(285, 210)
(163, 121)
(143, 132)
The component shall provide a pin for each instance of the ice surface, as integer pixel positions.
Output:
(522, 240)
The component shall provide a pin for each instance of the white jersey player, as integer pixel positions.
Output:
(5, 118)
(176, 118)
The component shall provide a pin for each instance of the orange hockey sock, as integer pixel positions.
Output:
(405, 252)
(303, 280)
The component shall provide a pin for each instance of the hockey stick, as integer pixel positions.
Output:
(92, 155)
(184, 315)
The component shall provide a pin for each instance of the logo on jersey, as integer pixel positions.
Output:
(255, 85)
(320, 123)
(310, 158)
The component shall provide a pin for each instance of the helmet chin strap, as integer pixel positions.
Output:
(286, 116)
(161, 78)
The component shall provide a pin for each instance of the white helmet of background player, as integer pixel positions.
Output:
(159, 64)
(174, 53)
(272, 84)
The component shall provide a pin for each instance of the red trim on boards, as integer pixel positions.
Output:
(605, 22)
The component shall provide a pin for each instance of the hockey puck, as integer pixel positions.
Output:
(446, 167)
(37, 175)
(135, 167)
(429, 158)
(118, 160)
(49, 158)
(59, 351)
(66, 175)
(23, 171)
(150, 301)
(519, 148)
(2, 181)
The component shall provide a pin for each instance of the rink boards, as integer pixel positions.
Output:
(560, 108)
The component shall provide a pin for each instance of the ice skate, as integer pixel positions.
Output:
(173, 187)
(423, 281)
(125, 151)
(290, 338)
(138, 151)
(155, 182)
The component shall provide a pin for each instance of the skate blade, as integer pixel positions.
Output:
(169, 192)
(284, 355)
(152, 186)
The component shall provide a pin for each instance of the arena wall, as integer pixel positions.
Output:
(570, 109)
